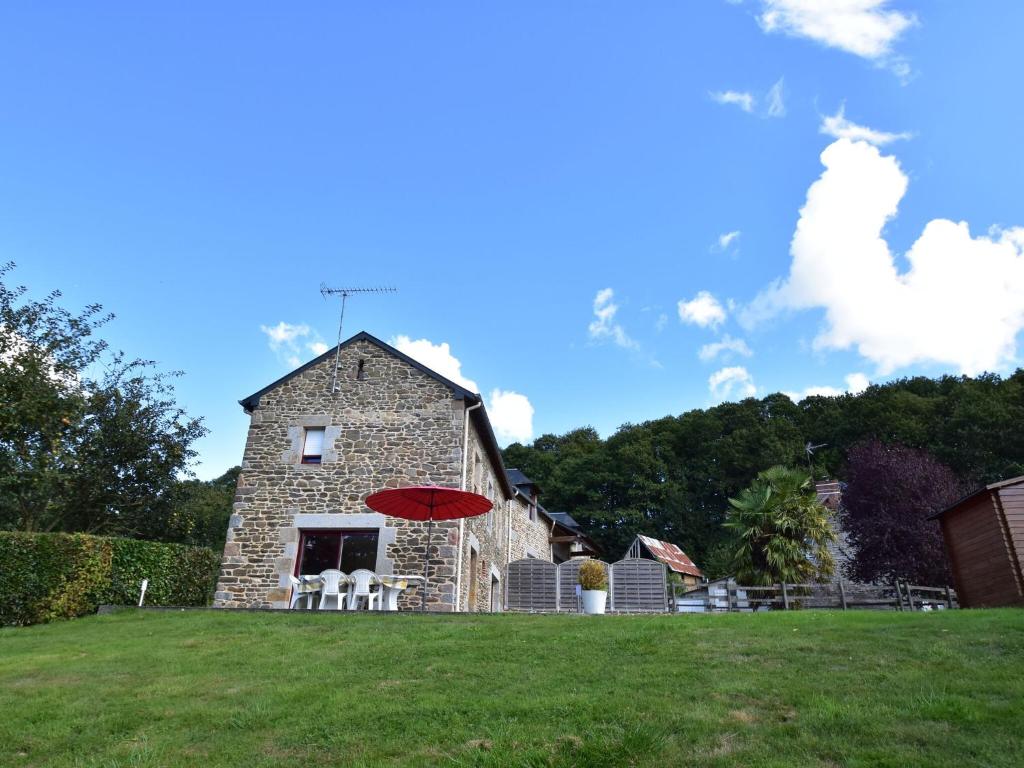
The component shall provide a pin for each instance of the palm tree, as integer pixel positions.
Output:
(784, 531)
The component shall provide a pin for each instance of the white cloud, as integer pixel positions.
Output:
(286, 339)
(284, 333)
(437, 357)
(838, 127)
(603, 326)
(960, 302)
(741, 99)
(511, 413)
(855, 384)
(703, 310)
(726, 239)
(661, 322)
(731, 383)
(776, 104)
(511, 416)
(727, 345)
(865, 28)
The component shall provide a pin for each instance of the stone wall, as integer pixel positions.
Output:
(486, 534)
(530, 537)
(396, 426)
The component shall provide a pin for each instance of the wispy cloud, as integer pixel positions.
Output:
(703, 310)
(839, 127)
(741, 99)
(776, 102)
(603, 326)
(726, 239)
(865, 28)
(731, 383)
(727, 345)
(291, 341)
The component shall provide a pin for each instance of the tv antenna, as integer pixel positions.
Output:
(345, 293)
(809, 449)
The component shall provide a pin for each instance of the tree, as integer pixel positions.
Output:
(891, 493)
(89, 440)
(200, 511)
(783, 530)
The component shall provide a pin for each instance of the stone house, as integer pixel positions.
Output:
(360, 418)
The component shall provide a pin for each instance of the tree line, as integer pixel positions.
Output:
(905, 449)
(91, 440)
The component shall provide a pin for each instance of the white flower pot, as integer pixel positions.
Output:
(593, 600)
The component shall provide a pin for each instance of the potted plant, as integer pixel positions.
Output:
(594, 586)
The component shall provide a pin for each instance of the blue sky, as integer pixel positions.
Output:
(552, 188)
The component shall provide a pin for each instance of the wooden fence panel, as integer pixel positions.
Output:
(568, 578)
(638, 585)
(531, 585)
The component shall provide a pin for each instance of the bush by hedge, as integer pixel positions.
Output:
(46, 576)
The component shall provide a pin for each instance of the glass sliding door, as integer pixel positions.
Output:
(343, 550)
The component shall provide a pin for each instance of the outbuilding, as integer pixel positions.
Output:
(984, 535)
(670, 555)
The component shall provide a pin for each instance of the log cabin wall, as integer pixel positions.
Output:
(981, 547)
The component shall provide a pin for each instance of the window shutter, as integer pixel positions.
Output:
(314, 444)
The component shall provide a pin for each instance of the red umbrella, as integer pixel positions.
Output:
(430, 503)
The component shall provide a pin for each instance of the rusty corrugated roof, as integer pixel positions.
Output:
(670, 555)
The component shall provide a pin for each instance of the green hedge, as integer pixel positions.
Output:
(46, 576)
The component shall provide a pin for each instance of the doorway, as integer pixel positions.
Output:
(474, 564)
(495, 594)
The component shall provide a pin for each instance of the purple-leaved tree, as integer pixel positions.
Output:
(892, 491)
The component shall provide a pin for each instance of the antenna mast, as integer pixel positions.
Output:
(345, 293)
(810, 448)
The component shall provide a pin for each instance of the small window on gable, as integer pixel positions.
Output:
(361, 371)
(313, 445)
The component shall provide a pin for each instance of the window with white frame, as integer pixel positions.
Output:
(313, 445)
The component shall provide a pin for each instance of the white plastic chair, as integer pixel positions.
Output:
(297, 595)
(331, 586)
(361, 581)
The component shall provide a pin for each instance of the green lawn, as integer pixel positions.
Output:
(301, 689)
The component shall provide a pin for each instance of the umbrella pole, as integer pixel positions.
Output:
(426, 562)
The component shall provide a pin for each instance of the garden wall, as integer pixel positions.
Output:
(46, 576)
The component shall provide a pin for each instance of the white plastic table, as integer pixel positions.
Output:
(391, 586)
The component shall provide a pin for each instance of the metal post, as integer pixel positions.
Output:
(785, 598)
(729, 594)
(426, 560)
(337, 353)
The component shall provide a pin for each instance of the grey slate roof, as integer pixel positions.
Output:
(516, 477)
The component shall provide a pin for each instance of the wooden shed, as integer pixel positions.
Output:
(645, 547)
(984, 535)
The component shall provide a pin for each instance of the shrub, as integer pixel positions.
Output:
(593, 576)
(46, 576)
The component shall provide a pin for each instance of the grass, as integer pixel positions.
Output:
(300, 689)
